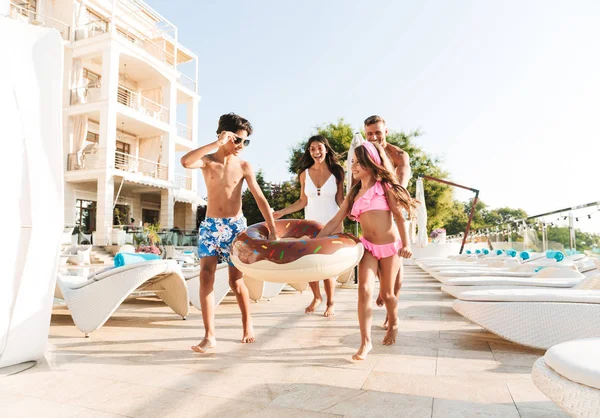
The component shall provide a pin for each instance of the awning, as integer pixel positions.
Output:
(147, 181)
(189, 197)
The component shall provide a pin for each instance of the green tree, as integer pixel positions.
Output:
(249, 206)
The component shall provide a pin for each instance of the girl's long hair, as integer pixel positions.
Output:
(384, 173)
(331, 158)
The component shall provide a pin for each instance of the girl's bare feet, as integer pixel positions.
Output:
(330, 311)
(390, 335)
(248, 336)
(204, 345)
(313, 305)
(379, 301)
(363, 350)
(385, 323)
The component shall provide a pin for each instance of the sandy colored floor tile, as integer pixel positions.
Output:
(313, 397)
(334, 376)
(448, 387)
(541, 413)
(526, 394)
(370, 404)
(444, 408)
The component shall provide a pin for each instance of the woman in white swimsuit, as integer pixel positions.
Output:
(321, 194)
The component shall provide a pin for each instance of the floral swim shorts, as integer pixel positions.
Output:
(216, 236)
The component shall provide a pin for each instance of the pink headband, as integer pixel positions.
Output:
(372, 152)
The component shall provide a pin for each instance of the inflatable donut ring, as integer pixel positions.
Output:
(298, 256)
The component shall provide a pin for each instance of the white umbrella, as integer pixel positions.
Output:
(356, 141)
(421, 215)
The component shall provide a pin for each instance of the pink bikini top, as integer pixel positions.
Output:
(373, 199)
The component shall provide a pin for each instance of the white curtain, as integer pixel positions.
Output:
(77, 82)
(80, 20)
(421, 215)
(80, 130)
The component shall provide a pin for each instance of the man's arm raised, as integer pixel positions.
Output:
(260, 198)
(195, 158)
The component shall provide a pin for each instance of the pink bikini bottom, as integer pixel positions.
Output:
(380, 251)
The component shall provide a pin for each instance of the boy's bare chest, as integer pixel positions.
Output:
(224, 176)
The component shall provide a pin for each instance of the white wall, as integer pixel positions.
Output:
(4, 7)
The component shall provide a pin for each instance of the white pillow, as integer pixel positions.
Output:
(83, 257)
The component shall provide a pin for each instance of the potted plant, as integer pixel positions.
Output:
(438, 235)
(151, 233)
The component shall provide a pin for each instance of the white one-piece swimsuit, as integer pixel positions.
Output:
(321, 205)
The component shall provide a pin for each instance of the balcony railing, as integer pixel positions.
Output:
(186, 81)
(30, 16)
(151, 45)
(183, 182)
(184, 131)
(125, 162)
(91, 29)
(88, 94)
(133, 164)
(145, 106)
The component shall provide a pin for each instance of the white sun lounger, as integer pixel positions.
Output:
(539, 317)
(220, 288)
(569, 375)
(549, 277)
(94, 300)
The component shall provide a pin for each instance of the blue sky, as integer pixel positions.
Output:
(507, 93)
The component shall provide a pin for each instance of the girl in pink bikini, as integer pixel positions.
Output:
(373, 200)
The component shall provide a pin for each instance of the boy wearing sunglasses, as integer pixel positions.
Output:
(224, 174)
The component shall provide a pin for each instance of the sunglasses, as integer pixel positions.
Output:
(239, 140)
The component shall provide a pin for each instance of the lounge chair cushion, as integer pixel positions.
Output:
(532, 295)
(577, 360)
(548, 277)
(514, 281)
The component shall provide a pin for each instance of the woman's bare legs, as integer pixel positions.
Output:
(329, 285)
(366, 277)
(317, 298)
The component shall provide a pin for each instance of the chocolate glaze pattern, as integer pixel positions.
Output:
(297, 239)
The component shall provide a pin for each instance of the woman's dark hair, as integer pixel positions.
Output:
(233, 123)
(331, 158)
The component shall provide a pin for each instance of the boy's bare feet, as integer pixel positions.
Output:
(390, 335)
(363, 350)
(204, 345)
(248, 336)
(330, 311)
(385, 323)
(313, 305)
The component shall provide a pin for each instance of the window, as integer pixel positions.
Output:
(150, 216)
(92, 137)
(85, 215)
(123, 147)
(93, 79)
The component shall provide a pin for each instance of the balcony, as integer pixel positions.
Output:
(186, 81)
(143, 105)
(183, 182)
(184, 131)
(88, 94)
(30, 16)
(91, 29)
(154, 43)
(125, 162)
